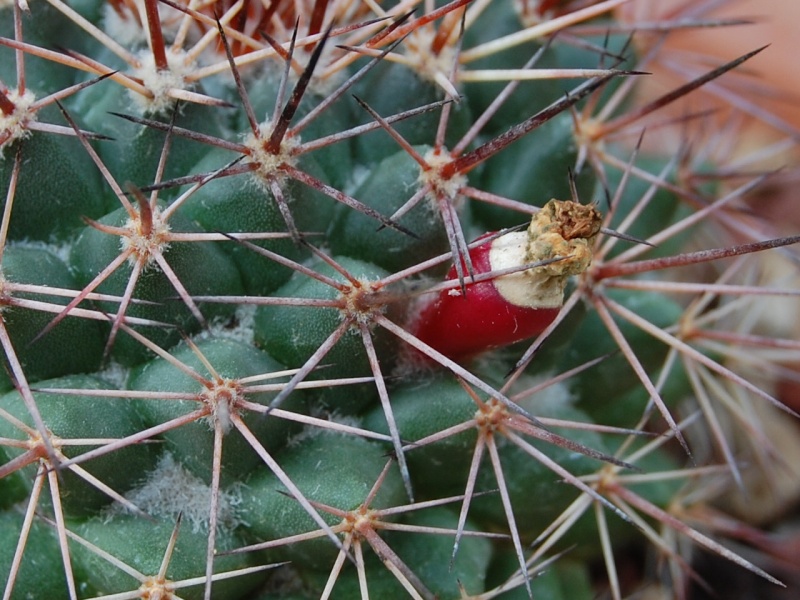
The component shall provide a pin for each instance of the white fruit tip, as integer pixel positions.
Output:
(562, 230)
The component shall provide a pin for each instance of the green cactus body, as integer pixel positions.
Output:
(546, 175)
(386, 189)
(74, 417)
(245, 206)
(143, 545)
(227, 229)
(58, 354)
(51, 210)
(335, 480)
(94, 250)
(293, 333)
(192, 444)
(39, 575)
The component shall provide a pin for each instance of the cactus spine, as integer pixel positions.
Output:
(255, 314)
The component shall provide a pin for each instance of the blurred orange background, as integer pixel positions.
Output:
(770, 81)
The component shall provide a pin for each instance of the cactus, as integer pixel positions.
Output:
(339, 299)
